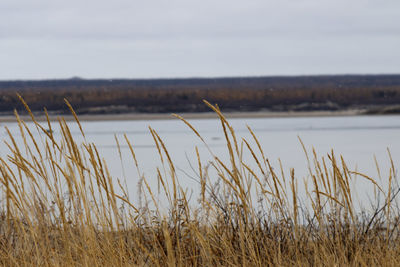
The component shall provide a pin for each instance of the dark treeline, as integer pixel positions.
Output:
(186, 95)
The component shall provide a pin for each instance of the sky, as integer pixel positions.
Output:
(51, 39)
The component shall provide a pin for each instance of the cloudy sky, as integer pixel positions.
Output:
(184, 38)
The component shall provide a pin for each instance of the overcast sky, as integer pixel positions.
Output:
(183, 38)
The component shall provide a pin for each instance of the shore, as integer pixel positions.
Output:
(203, 115)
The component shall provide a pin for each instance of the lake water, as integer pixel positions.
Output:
(357, 138)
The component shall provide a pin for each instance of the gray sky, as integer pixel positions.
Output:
(184, 38)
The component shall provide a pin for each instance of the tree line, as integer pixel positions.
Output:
(186, 95)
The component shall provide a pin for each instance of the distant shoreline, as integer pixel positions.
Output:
(258, 96)
(200, 115)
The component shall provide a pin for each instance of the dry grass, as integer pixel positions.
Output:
(61, 207)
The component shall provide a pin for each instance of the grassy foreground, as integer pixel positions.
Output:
(61, 207)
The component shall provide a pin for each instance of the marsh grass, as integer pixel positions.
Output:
(60, 206)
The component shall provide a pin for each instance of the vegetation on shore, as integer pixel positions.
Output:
(61, 207)
(304, 93)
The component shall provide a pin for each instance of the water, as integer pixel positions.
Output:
(357, 138)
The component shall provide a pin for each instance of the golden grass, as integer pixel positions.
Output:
(61, 207)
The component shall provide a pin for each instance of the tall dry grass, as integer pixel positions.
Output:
(60, 206)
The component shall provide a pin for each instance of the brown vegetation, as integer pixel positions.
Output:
(61, 207)
(186, 95)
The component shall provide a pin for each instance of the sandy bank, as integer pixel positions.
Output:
(205, 115)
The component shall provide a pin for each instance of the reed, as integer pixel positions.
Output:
(60, 206)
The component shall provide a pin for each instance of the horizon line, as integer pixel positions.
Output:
(79, 78)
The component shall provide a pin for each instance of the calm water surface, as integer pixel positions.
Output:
(357, 138)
